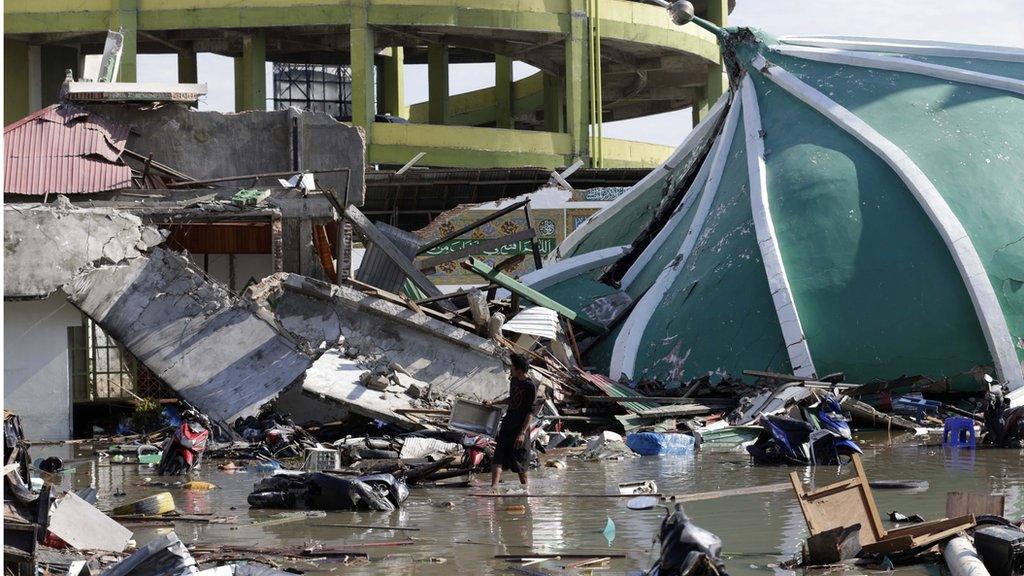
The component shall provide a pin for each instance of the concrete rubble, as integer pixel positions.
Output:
(378, 358)
(210, 347)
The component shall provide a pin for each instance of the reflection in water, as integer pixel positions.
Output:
(758, 531)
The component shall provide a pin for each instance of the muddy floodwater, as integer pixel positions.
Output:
(459, 533)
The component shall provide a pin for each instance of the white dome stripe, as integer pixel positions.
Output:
(628, 342)
(897, 64)
(782, 294)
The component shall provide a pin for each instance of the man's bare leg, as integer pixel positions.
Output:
(522, 478)
(495, 476)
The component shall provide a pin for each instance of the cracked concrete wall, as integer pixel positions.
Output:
(455, 362)
(44, 247)
(214, 144)
(212, 349)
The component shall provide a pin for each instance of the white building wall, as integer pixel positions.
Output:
(37, 383)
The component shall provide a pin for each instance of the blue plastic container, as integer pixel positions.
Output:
(657, 444)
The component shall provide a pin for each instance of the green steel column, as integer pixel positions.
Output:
(437, 80)
(361, 50)
(16, 79)
(54, 62)
(718, 13)
(577, 81)
(124, 15)
(378, 86)
(502, 91)
(239, 85)
(700, 105)
(394, 82)
(252, 79)
(554, 104)
(188, 66)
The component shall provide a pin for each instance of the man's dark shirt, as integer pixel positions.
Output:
(521, 396)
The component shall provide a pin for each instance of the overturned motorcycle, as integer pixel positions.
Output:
(819, 438)
(1004, 424)
(318, 491)
(686, 549)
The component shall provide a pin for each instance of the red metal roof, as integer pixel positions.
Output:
(64, 149)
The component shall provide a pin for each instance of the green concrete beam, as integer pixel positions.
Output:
(394, 82)
(516, 287)
(124, 15)
(361, 48)
(437, 80)
(477, 107)
(188, 67)
(503, 91)
(577, 81)
(251, 73)
(16, 79)
(554, 104)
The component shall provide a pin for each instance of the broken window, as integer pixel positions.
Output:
(101, 368)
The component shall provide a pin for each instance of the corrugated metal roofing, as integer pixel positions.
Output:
(535, 321)
(64, 149)
(376, 269)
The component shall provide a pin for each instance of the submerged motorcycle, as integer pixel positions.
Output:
(183, 451)
(687, 549)
(1004, 426)
(823, 438)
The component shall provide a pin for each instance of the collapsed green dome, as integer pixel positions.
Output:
(852, 205)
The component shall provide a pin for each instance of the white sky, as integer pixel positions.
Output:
(996, 22)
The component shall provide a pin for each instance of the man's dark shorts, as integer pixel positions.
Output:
(508, 456)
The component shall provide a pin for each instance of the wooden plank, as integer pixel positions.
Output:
(714, 495)
(869, 497)
(963, 503)
(367, 229)
(888, 546)
(936, 537)
(559, 495)
(558, 555)
(520, 289)
(933, 527)
(483, 246)
(841, 505)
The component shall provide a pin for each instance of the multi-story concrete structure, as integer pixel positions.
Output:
(627, 55)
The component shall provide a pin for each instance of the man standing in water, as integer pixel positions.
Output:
(513, 449)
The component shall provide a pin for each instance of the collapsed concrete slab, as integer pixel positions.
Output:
(45, 246)
(379, 337)
(215, 351)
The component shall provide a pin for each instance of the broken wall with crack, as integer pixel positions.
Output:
(215, 351)
(44, 247)
(215, 145)
(376, 336)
